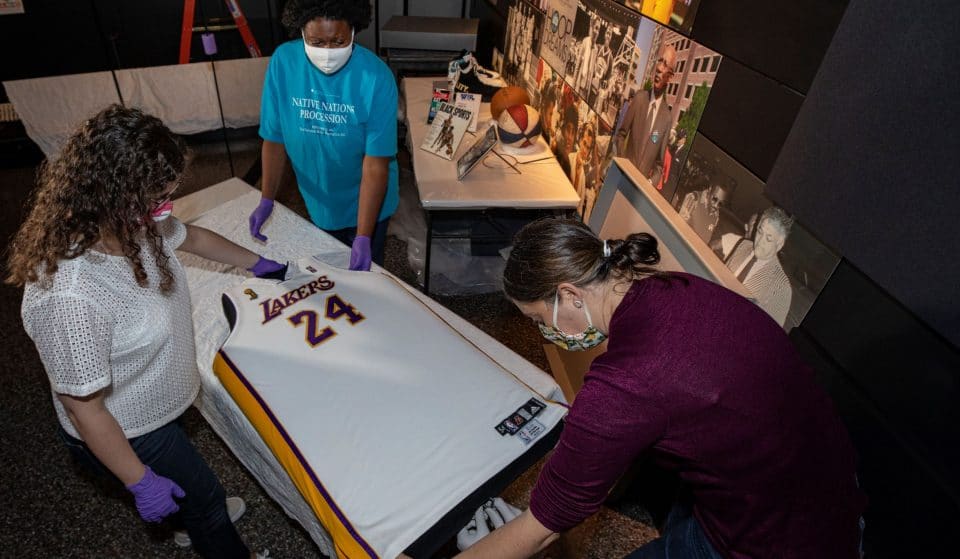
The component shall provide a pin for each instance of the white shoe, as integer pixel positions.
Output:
(235, 509)
(263, 555)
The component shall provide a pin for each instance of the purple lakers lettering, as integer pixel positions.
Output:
(272, 308)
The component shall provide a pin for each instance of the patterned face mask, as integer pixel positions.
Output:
(162, 210)
(591, 337)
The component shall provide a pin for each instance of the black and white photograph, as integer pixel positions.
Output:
(522, 43)
(781, 263)
(600, 27)
(612, 82)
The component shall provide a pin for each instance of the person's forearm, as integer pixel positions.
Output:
(273, 158)
(373, 189)
(209, 245)
(105, 439)
(520, 538)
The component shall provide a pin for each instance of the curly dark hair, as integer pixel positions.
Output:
(297, 13)
(105, 181)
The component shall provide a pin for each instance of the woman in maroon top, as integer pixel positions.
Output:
(696, 378)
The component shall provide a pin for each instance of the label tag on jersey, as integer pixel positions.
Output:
(524, 414)
(531, 431)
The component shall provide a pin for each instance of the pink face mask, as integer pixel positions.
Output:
(162, 210)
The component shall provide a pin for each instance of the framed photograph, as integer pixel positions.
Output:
(781, 264)
(477, 152)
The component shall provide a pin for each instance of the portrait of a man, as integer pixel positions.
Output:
(757, 266)
(701, 209)
(644, 131)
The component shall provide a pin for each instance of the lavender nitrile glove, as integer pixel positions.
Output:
(259, 217)
(360, 254)
(154, 495)
(266, 268)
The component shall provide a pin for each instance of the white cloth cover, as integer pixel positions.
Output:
(183, 96)
(290, 236)
(241, 86)
(52, 108)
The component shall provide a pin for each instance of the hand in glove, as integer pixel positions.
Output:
(154, 495)
(500, 512)
(259, 217)
(491, 515)
(266, 268)
(474, 531)
(360, 254)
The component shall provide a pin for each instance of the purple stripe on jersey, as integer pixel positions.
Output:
(303, 462)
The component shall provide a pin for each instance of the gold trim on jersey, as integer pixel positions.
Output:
(346, 540)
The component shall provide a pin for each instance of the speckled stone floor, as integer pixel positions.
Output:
(48, 509)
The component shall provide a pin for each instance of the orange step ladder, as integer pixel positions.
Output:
(240, 23)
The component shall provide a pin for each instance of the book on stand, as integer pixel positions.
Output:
(446, 132)
(471, 102)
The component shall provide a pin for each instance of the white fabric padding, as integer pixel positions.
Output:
(183, 96)
(289, 238)
(52, 108)
(241, 86)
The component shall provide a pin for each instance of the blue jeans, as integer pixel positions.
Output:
(682, 538)
(203, 511)
(377, 241)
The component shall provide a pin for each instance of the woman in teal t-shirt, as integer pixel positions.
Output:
(330, 107)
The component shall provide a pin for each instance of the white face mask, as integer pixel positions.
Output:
(329, 60)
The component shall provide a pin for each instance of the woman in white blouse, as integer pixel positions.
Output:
(106, 303)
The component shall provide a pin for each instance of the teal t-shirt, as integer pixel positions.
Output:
(327, 123)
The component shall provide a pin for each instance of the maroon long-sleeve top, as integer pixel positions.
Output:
(710, 387)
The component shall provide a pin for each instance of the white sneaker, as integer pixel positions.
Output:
(235, 509)
(263, 555)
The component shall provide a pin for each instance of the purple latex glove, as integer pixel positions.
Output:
(266, 268)
(360, 254)
(259, 217)
(154, 496)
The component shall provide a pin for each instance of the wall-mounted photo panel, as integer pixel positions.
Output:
(778, 261)
(664, 104)
(522, 43)
(628, 204)
(678, 14)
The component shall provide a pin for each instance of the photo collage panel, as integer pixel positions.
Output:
(638, 87)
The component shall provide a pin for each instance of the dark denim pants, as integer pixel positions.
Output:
(377, 241)
(203, 511)
(682, 538)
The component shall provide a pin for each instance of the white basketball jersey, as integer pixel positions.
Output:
(384, 416)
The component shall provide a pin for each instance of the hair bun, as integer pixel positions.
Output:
(640, 248)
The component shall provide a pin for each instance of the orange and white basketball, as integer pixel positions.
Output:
(507, 97)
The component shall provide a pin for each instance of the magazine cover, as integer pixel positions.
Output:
(449, 126)
(471, 102)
